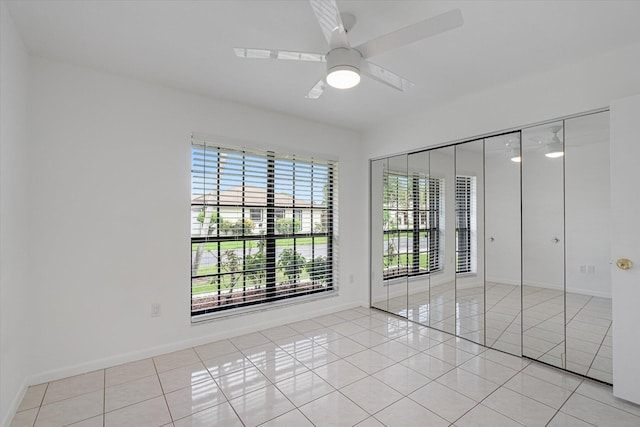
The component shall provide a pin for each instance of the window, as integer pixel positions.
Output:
(235, 264)
(256, 215)
(411, 218)
(413, 223)
(465, 222)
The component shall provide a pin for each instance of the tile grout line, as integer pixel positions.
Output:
(164, 396)
(404, 328)
(487, 396)
(41, 403)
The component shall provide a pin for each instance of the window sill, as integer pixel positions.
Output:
(241, 311)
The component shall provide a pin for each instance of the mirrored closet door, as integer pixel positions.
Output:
(587, 231)
(503, 290)
(390, 245)
(442, 276)
(424, 214)
(469, 256)
(543, 243)
(503, 241)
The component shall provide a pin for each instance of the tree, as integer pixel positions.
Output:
(255, 267)
(226, 227)
(291, 264)
(211, 228)
(213, 221)
(232, 266)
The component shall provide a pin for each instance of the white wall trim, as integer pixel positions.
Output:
(15, 404)
(104, 363)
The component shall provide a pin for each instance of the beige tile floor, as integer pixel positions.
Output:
(493, 317)
(356, 367)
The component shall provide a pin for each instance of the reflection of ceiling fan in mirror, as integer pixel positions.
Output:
(345, 64)
(554, 148)
(551, 142)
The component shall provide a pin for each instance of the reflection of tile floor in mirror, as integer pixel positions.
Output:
(354, 367)
(588, 328)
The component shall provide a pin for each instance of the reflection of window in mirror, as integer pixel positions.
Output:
(466, 224)
(412, 247)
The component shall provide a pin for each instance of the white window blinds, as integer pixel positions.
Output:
(411, 221)
(465, 222)
(263, 227)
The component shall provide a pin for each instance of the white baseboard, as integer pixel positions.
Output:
(13, 407)
(572, 290)
(590, 293)
(107, 362)
(503, 281)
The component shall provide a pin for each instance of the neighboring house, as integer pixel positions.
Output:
(254, 199)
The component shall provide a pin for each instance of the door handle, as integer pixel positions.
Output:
(624, 264)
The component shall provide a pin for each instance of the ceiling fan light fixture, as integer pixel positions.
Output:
(343, 77)
(554, 153)
(555, 148)
(343, 68)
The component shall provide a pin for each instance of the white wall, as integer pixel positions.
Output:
(15, 321)
(109, 191)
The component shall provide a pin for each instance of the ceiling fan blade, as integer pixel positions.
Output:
(407, 35)
(243, 52)
(328, 17)
(385, 76)
(317, 90)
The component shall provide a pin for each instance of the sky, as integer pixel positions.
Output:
(309, 178)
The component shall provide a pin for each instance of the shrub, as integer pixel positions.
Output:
(291, 263)
(288, 226)
(242, 226)
(319, 269)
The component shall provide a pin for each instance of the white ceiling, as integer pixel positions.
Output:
(188, 45)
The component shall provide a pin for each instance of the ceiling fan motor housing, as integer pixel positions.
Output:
(343, 58)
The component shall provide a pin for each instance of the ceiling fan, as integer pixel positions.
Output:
(345, 64)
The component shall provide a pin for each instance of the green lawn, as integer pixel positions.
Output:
(251, 244)
(407, 259)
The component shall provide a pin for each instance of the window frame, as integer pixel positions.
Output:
(430, 220)
(465, 224)
(253, 211)
(268, 238)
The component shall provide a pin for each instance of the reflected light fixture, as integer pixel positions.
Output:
(513, 148)
(555, 148)
(343, 70)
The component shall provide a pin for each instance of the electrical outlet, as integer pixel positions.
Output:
(155, 310)
(591, 269)
(583, 269)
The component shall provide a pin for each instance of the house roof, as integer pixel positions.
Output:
(253, 196)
